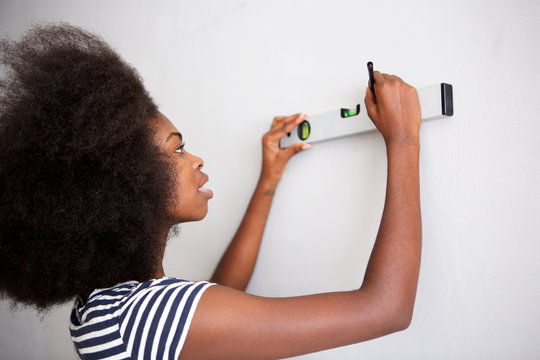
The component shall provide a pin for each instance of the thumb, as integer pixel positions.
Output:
(370, 97)
(371, 103)
(295, 149)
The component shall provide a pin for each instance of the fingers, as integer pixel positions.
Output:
(382, 78)
(380, 81)
(397, 78)
(369, 100)
(379, 77)
(284, 125)
(371, 103)
(276, 120)
(280, 119)
(295, 149)
(372, 99)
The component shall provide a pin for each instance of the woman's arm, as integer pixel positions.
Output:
(229, 324)
(394, 266)
(237, 264)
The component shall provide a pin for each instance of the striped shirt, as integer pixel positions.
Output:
(133, 320)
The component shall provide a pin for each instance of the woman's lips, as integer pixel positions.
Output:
(206, 192)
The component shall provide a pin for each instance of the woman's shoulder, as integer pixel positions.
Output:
(150, 314)
(129, 293)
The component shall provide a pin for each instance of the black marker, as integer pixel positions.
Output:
(371, 78)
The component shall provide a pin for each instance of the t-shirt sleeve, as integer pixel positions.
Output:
(156, 317)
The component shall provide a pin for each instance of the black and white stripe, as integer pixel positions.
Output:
(134, 320)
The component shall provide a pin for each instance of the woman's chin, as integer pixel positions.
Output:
(193, 217)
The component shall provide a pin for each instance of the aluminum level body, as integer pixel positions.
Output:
(436, 102)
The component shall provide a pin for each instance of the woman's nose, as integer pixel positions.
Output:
(198, 163)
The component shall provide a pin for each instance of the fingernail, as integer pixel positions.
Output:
(306, 146)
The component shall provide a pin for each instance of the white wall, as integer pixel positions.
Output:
(222, 69)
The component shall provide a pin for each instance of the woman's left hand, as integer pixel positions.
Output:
(274, 158)
(237, 264)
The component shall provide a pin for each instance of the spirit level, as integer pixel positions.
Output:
(436, 102)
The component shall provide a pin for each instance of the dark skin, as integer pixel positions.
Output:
(230, 324)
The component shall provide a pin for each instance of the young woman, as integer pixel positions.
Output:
(93, 177)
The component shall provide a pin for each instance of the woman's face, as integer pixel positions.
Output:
(191, 202)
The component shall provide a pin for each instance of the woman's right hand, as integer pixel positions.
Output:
(395, 110)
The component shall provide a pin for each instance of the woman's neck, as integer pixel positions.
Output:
(163, 243)
(159, 271)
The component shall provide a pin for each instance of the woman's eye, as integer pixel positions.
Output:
(180, 149)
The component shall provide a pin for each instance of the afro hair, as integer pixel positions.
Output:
(83, 186)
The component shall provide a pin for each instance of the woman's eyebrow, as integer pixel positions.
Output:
(174, 133)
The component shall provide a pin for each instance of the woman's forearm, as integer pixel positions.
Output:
(393, 269)
(238, 262)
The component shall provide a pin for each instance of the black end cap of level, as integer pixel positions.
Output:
(447, 99)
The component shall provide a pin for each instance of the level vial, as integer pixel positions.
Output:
(345, 113)
(303, 130)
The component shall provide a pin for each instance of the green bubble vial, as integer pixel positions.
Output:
(350, 112)
(304, 130)
(345, 113)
